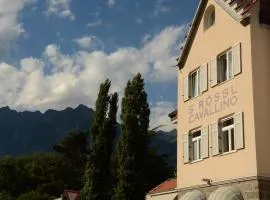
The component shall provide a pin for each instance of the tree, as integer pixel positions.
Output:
(102, 133)
(132, 147)
(5, 196)
(72, 150)
(32, 196)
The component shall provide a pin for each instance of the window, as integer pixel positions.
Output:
(209, 17)
(227, 135)
(194, 83)
(196, 145)
(225, 66)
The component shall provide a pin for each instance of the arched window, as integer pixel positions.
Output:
(209, 17)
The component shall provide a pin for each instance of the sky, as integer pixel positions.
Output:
(55, 53)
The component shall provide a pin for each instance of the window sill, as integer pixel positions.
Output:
(229, 152)
(223, 82)
(191, 98)
(195, 161)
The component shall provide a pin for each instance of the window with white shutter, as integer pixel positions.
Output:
(236, 59)
(204, 78)
(196, 145)
(185, 88)
(213, 72)
(205, 142)
(186, 148)
(225, 66)
(228, 134)
(194, 83)
(239, 131)
(232, 133)
(214, 131)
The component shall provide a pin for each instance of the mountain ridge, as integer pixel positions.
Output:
(26, 132)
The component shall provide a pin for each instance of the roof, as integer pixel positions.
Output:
(168, 185)
(238, 9)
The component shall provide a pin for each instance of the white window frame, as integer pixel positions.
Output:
(228, 128)
(229, 66)
(194, 91)
(197, 139)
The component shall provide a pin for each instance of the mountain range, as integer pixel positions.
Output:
(28, 132)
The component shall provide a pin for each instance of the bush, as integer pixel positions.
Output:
(5, 196)
(31, 196)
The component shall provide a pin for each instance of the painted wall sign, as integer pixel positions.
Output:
(212, 104)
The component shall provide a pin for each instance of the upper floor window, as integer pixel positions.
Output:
(209, 17)
(194, 83)
(225, 66)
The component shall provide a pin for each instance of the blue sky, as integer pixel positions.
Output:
(55, 53)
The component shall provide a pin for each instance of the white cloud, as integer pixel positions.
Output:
(159, 115)
(95, 23)
(57, 80)
(161, 7)
(139, 20)
(146, 38)
(111, 3)
(89, 42)
(10, 27)
(60, 8)
(84, 42)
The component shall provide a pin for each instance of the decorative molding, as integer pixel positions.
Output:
(229, 10)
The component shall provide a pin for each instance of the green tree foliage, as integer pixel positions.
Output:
(5, 196)
(79, 164)
(102, 133)
(45, 173)
(73, 152)
(32, 196)
(132, 147)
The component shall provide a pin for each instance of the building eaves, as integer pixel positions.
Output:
(238, 9)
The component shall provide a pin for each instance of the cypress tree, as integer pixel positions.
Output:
(102, 133)
(131, 152)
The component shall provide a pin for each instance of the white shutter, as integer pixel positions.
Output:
(186, 147)
(185, 88)
(214, 74)
(215, 138)
(236, 59)
(239, 131)
(205, 142)
(203, 78)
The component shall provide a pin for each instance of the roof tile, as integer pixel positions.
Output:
(168, 185)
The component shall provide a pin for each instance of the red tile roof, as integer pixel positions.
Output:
(168, 185)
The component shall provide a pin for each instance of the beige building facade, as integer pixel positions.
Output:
(223, 116)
